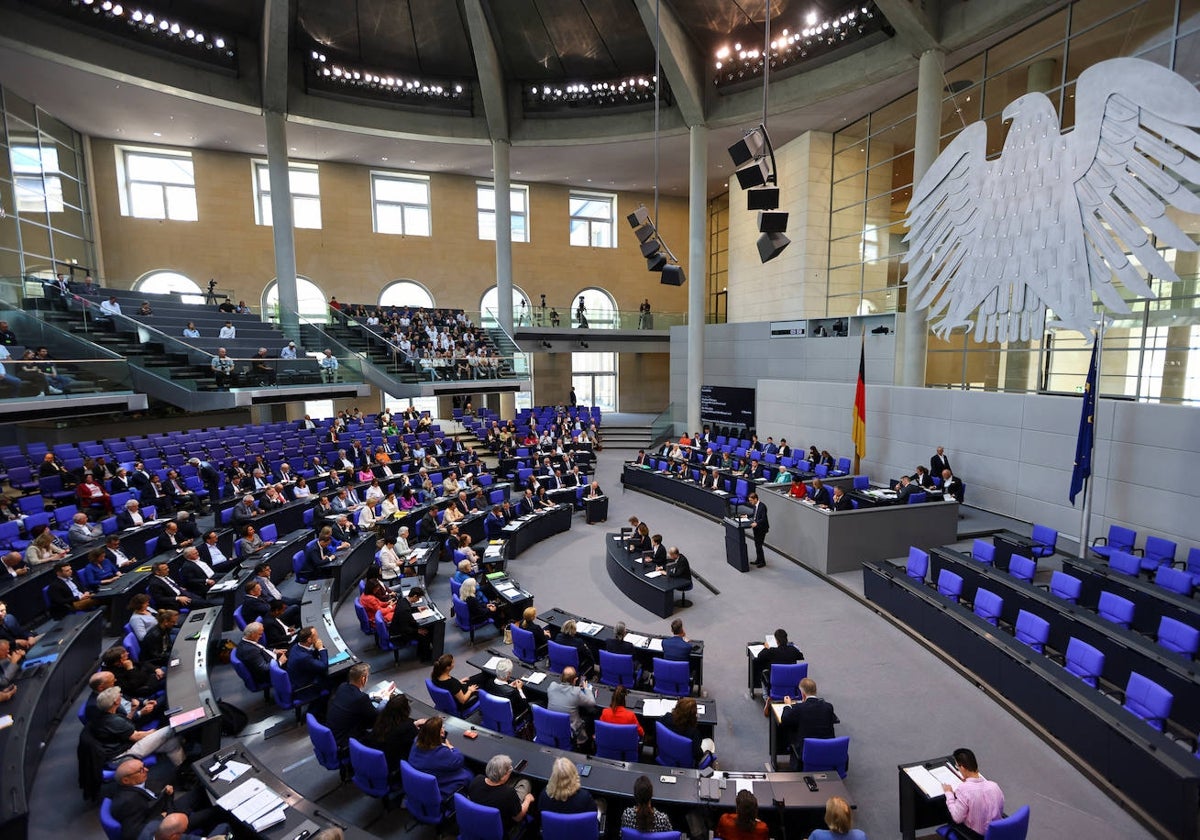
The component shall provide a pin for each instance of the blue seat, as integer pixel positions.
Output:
(740, 495)
(551, 728)
(1065, 587)
(239, 617)
(298, 566)
(618, 741)
(462, 618)
(784, 680)
(950, 585)
(562, 657)
(1014, 827)
(1159, 551)
(1022, 568)
(917, 498)
(1032, 630)
(634, 834)
(248, 679)
(861, 482)
(445, 703)
(1118, 539)
(281, 684)
(422, 796)
(324, 746)
(674, 750)
(383, 636)
(983, 552)
(1084, 661)
(616, 668)
(524, 647)
(477, 822)
(1045, 540)
(1125, 562)
(988, 606)
(918, 564)
(131, 644)
(1148, 700)
(582, 826)
(824, 754)
(112, 828)
(673, 678)
(1192, 566)
(1178, 637)
(497, 713)
(1174, 580)
(360, 612)
(369, 771)
(1116, 609)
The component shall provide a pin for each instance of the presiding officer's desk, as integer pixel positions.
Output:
(536, 691)
(1156, 777)
(646, 651)
(1124, 650)
(785, 802)
(301, 814)
(1151, 602)
(625, 569)
(188, 686)
(45, 692)
(530, 529)
(316, 609)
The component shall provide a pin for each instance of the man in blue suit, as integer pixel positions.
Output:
(308, 665)
(318, 556)
(494, 522)
(678, 647)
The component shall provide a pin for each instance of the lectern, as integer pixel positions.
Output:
(596, 510)
(735, 543)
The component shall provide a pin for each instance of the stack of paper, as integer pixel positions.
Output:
(588, 628)
(233, 769)
(251, 802)
(491, 664)
(637, 640)
(755, 650)
(657, 706)
(534, 679)
(656, 644)
(655, 573)
(422, 614)
(925, 780)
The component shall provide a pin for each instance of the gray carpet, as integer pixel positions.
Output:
(896, 700)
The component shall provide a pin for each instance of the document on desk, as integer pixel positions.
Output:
(655, 573)
(233, 770)
(588, 628)
(925, 780)
(223, 586)
(491, 664)
(534, 679)
(242, 793)
(340, 656)
(422, 614)
(637, 640)
(656, 644)
(657, 706)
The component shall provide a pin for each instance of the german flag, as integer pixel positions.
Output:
(859, 432)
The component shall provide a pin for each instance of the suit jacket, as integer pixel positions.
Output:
(140, 479)
(659, 554)
(938, 463)
(954, 487)
(118, 484)
(789, 654)
(585, 654)
(242, 513)
(844, 503)
(681, 568)
(520, 706)
(677, 649)
(308, 669)
(348, 534)
(403, 625)
(192, 577)
(125, 520)
(814, 718)
(527, 505)
(315, 561)
(276, 635)
(62, 599)
(761, 520)
(822, 497)
(256, 659)
(207, 556)
(906, 490)
(253, 609)
(163, 595)
(80, 534)
(351, 714)
(133, 807)
(492, 525)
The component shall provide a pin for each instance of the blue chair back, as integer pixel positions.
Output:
(1022, 568)
(477, 822)
(918, 564)
(383, 636)
(242, 671)
(1066, 587)
(1045, 539)
(671, 749)
(1032, 630)
(524, 647)
(1012, 827)
(112, 828)
(1148, 700)
(298, 566)
(617, 740)
(1174, 580)
(949, 585)
(785, 680)
(551, 728)
(462, 617)
(673, 678)
(370, 769)
(239, 617)
(131, 644)
(360, 612)
(443, 701)
(616, 669)
(582, 826)
(1178, 637)
(563, 657)
(862, 482)
(1124, 562)
(634, 834)
(983, 551)
(988, 605)
(497, 713)
(1116, 609)
(281, 684)
(422, 797)
(824, 754)
(1084, 661)
(324, 746)
(918, 498)
(1119, 539)
(1158, 552)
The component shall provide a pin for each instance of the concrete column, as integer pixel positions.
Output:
(508, 404)
(914, 325)
(697, 270)
(1175, 364)
(504, 284)
(281, 223)
(1019, 364)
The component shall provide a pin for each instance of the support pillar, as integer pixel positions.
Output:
(1179, 338)
(697, 270)
(282, 230)
(504, 285)
(915, 323)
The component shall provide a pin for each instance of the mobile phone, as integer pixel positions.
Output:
(584, 769)
(811, 782)
(667, 780)
(520, 765)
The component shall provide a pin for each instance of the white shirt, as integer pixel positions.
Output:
(289, 352)
(110, 307)
(208, 571)
(217, 557)
(228, 332)
(191, 333)
(3, 356)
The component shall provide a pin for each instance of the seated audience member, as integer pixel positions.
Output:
(677, 647)
(618, 713)
(256, 656)
(684, 721)
(540, 634)
(568, 636)
(118, 736)
(782, 652)
(433, 753)
(506, 688)
(811, 717)
(563, 793)
(394, 731)
(744, 824)
(575, 697)
(462, 692)
(840, 820)
(351, 714)
(155, 647)
(642, 815)
(65, 596)
(496, 788)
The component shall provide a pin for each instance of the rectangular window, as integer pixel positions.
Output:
(401, 204)
(592, 217)
(157, 184)
(36, 179)
(306, 194)
(485, 201)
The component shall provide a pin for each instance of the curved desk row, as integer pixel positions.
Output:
(531, 529)
(45, 693)
(656, 594)
(1151, 601)
(1155, 776)
(316, 609)
(188, 685)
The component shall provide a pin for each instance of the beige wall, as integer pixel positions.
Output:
(644, 382)
(347, 259)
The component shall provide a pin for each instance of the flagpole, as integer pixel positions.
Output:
(1085, 516)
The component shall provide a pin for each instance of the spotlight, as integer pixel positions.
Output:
(762, 198)
(672, 275)
(772, 221)
(771, 245)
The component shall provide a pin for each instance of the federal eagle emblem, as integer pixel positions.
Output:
(1057, 216)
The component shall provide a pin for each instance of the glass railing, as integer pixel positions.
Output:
(77, 367)
(520, 360)
(566, 317)
(663, 426)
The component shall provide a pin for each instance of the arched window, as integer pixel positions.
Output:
(488, 307)
(406, 293)
(165, 281)
(311, 300)
(599, 308)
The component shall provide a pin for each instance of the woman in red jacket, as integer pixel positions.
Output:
(617, 712)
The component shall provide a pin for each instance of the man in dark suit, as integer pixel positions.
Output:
(782, 652)
(308, 664)
(165, 592)
(754, 469)
(618, 644)
(194, 573)
(952, 484)
(811, 717)
(939, 462)
(711, 479)
(130, 516)
(244, 512)
(677, 647)
(820, 494)
(255, 605)
(256, 656)
(840, 500)
(760, 526)
(528, 504)
(318, 556)
(277, 632)
(351, 713)
(344, 531)
(494, 522)
(904, 488)
(784, 449)
(134, 805)
(211, 554)
(64, 594)
(404, 627)
(114, 553)
(641, 458)
(182, 497)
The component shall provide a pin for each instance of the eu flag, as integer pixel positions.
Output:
(1087, 426)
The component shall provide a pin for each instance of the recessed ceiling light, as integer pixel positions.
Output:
(158, 134)
(589, 180)
(383, 158)
(412, 161)
(262, 145)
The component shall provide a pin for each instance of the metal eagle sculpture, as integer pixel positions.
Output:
(1057, 216)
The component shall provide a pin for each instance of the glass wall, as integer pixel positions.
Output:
(45, 226)
(1147, 352)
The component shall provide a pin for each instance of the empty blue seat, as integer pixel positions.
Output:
(1084, 661)
(1065, 586)
(1045, 539)
(1174, 580)
(1148, 700)
(988, 605)
(1124, 562)
(1118, 539)
(983, 551)
(1159, 551)
(918, 564)
(1022, 568)
(950, 585)
(1032, 630)
(1178, 637)
(1116, 609)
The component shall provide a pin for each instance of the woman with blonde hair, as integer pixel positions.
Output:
(840, 821)
(563, 793)
(42, 550)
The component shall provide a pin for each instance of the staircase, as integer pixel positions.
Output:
(626, 431)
